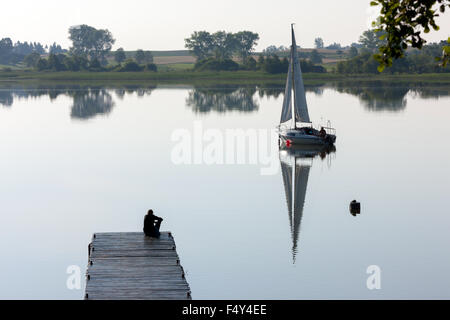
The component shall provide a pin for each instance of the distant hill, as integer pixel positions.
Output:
(171, 53)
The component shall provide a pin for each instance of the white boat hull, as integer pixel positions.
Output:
(301, 138)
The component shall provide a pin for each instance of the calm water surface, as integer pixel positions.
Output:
(75, 161)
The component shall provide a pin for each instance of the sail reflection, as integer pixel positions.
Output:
(296, 162)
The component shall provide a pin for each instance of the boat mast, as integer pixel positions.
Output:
(293, 76)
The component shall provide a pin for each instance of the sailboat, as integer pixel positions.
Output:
(301, 130)
(296, 162)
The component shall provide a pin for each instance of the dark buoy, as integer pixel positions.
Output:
(355, 207)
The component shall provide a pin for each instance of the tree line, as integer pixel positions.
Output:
(364, 59)
(222, 45)
(90, 51)
(12, 53)
(215, 51)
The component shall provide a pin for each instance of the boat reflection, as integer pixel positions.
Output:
(296, 162)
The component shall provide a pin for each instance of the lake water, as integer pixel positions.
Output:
(77, 160)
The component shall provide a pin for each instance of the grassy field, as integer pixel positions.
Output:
(174, 60)
(181, 76)
(11, 67)
(175, 67)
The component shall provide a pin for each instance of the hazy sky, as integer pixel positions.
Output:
(163, 25)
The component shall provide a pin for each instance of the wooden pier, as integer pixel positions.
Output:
(130, 266)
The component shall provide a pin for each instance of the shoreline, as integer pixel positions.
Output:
(230, 77)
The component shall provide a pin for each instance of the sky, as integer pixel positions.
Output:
(163, 25)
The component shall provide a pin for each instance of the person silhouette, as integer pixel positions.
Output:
(152, 224)
(322, 132)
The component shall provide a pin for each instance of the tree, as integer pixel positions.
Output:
(353, 52)
(39, 48)
(76, 63)
(315, 57)
(32, 59)
(143, 57)
(224, 44)
(334, 46)
(273, 64)
(119, 55)
(414, 61)
(55, 48)
(139, 56)
(95, 65)
(90, 42)
(404, 21)
(261, 61)
(148, 57)
(245, 43)
(131, 66)
(372, 40)
(42, 64)
(250, 64)
(270, 50)
(318, 42)
(214, 64)
(23, 48)
(200, 44)
(151, 67)
(6, 50)
(55, 62)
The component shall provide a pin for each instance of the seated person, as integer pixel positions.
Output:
(152, 224)
(322, 132)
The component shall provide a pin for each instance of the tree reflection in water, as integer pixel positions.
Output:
(6, 98)
(377, 97)
(89, 103)
(222, 99)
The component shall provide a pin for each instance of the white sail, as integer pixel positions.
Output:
(300, 106)
(286, 112)
(294, 82)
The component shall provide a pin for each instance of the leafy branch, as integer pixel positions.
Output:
(404, 21)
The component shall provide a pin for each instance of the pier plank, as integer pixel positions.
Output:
(128, 265)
